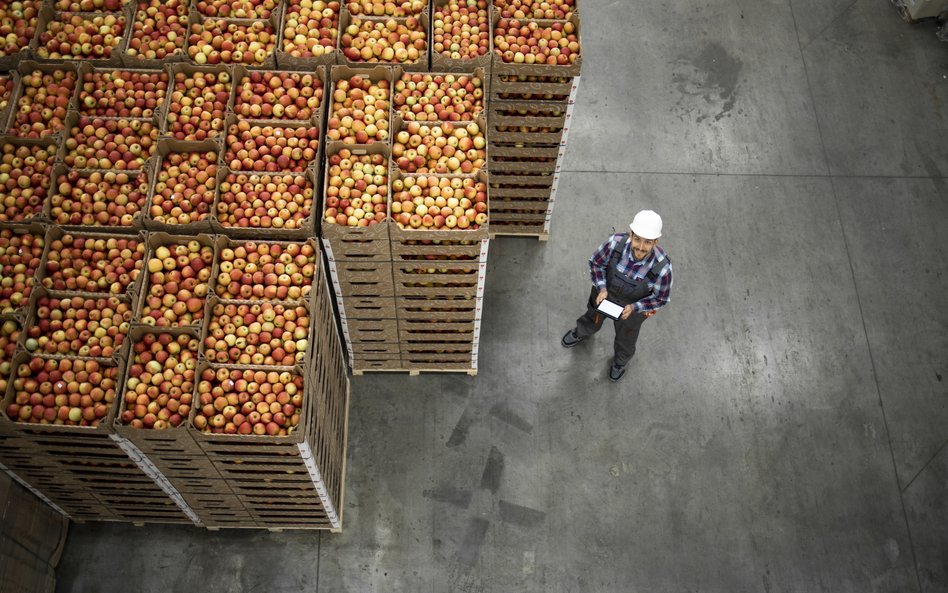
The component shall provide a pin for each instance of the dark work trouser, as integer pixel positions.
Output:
(627, 330)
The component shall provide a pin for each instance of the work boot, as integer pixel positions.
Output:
(616, 372)
(570, 339)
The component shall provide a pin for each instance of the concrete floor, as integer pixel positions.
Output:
(783, 427)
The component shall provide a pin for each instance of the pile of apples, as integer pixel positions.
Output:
(198, 105)
(259, 334)
(24, 180)
(438, 97)
(79, 326)
(234, 401)
(360, 111)
(356, 189)
(98, 264)
(9, 337)
(89, 5)
(160, 383)
(122, 93)
(390, 8)
(260, 270)
(528, 42)
(236, 9)
(400, 41)
(110, 198)
(159, 29)
(42, 105)
(440, 148)
(178, 276)
(79, 36)
(264, 147)
(184, 188)
(18, 25)
(439, 203)
(231, 42)
(120, 144)
(6, 91)
(265, 201)
(310, 28)
(461, 29)
(70, 392)
(560, 10)
(279, 95)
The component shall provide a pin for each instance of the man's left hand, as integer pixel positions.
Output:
(626, 312)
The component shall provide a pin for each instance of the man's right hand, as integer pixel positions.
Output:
(603, 293)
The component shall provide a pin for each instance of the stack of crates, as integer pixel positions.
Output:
(531, 108)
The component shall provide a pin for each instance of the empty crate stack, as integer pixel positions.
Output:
(534, 80)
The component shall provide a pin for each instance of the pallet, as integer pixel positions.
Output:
(544, 236)
(414, 372)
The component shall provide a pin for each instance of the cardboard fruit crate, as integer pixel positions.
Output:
(505, 65)
(533, 179)
(402, 237)
(81, 147)
(11, 54)
(75, 213)
(201, 221)
(537, 229)
(443, 61)
(260, 227)
(21, 209)
(479, 78)
(199, 24)
(132, 58)
(19, 124)
(188, 70)
(369, 363)
(160, 239)
(242, 83)
(306, 61)
(365, 307)
(41, 50)
(230, 249)
(361, 279)
(233, 128)
(375, 74)
(413, 311)
(92, 100)
(8, 86)
(413, 329)
(420, 65)
(439, 250)
(54, 279)
(15, 305)
(372, 331)
(548, 88)
(217, 310)
(399, 125)
(420, 278)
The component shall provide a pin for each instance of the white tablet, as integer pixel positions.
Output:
(610, 309)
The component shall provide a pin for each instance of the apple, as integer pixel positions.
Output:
(397, 8)
(159, 29)
(360, 111)
(263, 270)
(97, 198)
(122, 93)
(184, 188)
(560, 10)
(270, 403)
(237, 9)
(81, 36)
(42, 105)
(120, 144)
(395, 41)
(443, 148)
(95, 264)
(177, 284)
(356, 189)
(24, 180)
(264, 147)
(18, 25)
(231, 42)
(198, 105)
(78, 326)
(258, 334)
(461, 29)
(265, 200)
(10, 331)
(78, 392)
(438, 97)
(278, 95)
(159, 386)
(437, 201)
(310, 28)
(529, 42)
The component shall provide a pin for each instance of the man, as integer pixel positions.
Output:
(631, 270)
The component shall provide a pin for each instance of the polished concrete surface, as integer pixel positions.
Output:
(783, 425)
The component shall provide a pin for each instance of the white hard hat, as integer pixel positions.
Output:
(647, 224)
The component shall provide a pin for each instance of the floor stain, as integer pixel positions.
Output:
(707, 83)
(504, 413)
(451, 495)
(520, 515)
(493, 469)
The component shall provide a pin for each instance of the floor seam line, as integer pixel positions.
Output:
(816, 37)
(787, 175)
(927, 463)
(862, 316)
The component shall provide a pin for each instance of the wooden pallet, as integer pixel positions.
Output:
(414, 372)
(543, 236)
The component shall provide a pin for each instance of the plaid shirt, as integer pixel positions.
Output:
(661, 289)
